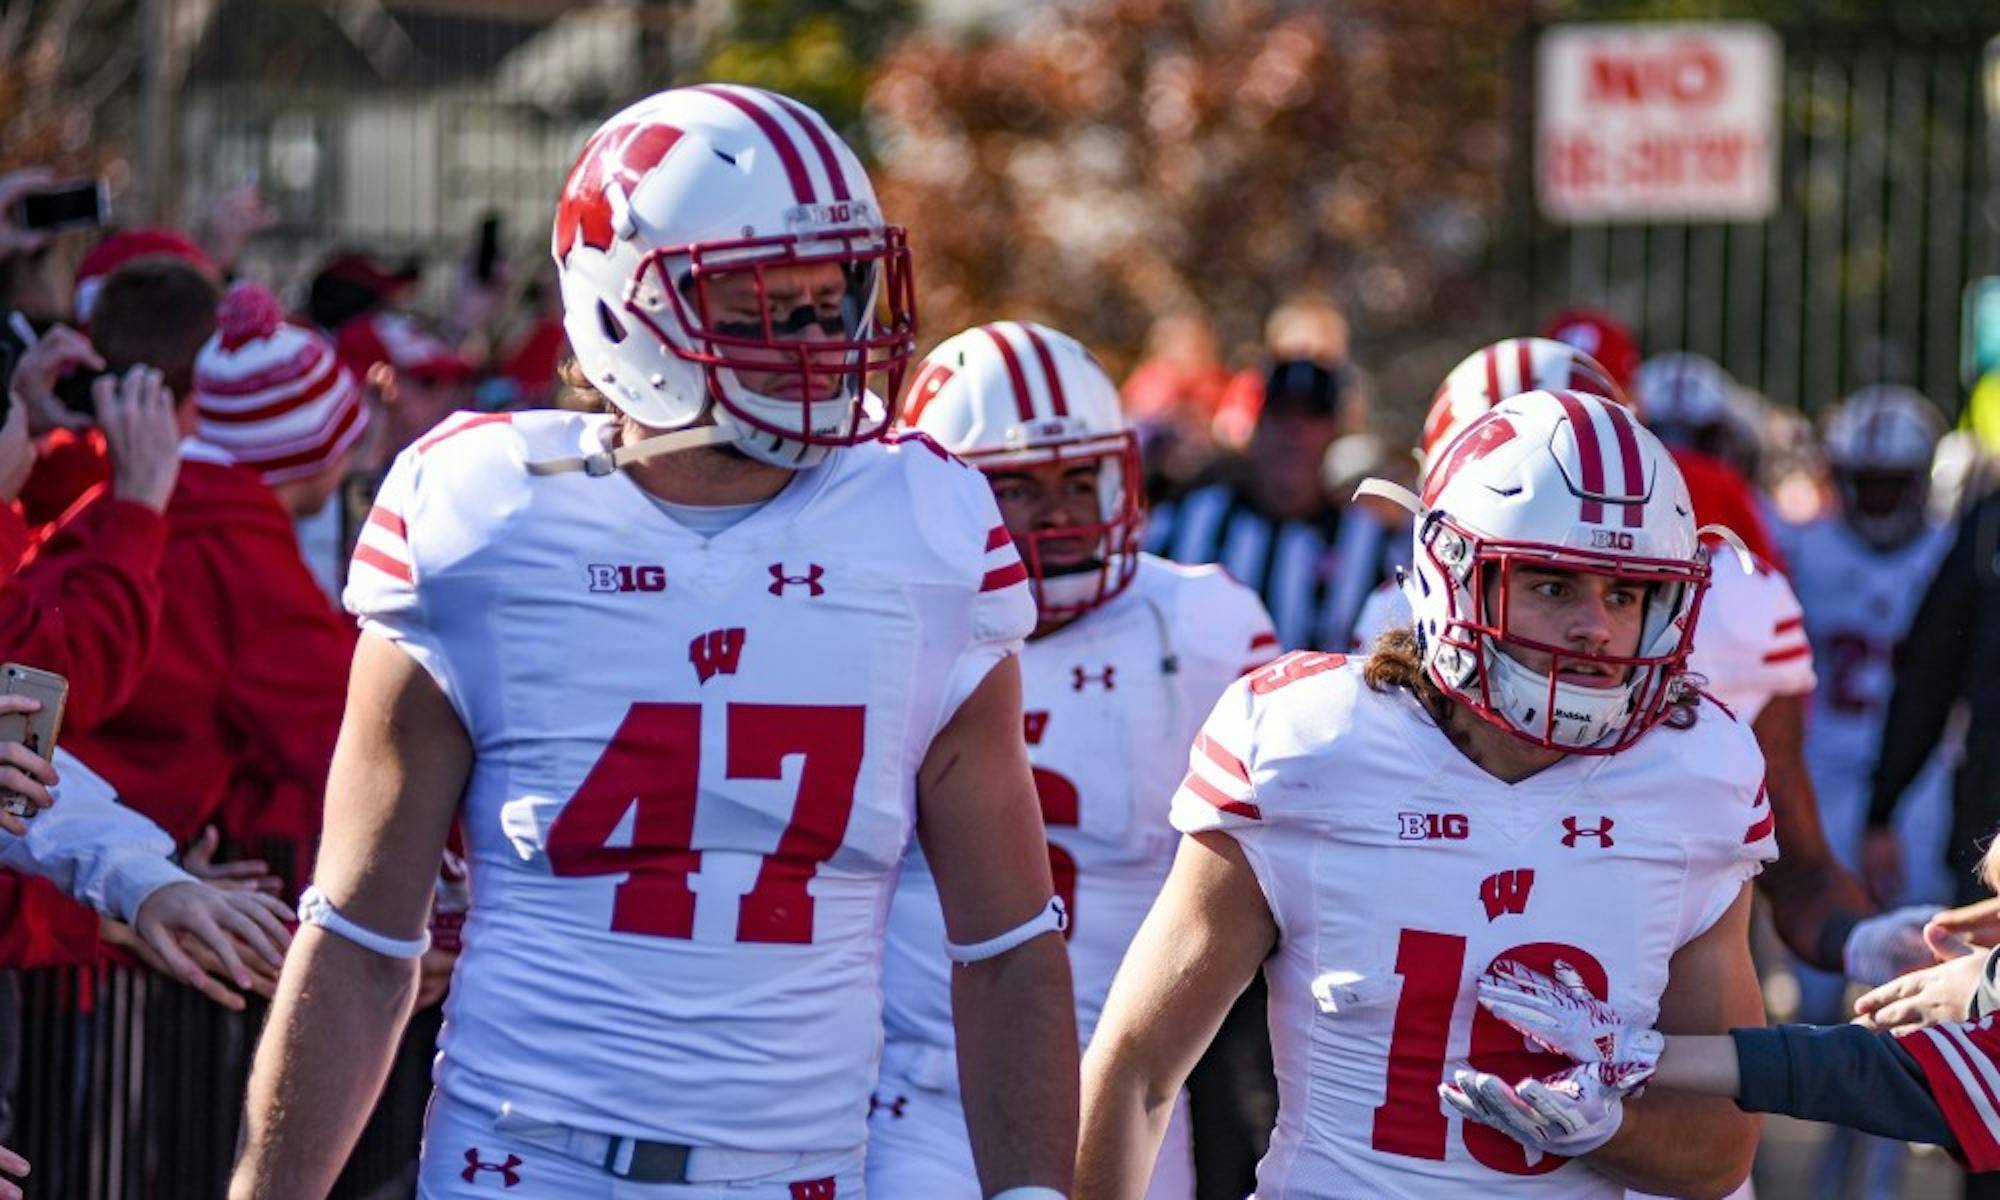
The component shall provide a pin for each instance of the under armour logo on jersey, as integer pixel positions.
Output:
(474, 1165)
(1506, 892)
(893, 1107)
(716, 652)
(606, 577)
(1033, 725)
(1079, 677)
(1420, 827)
(810, 580)
(1602, 833)
(813, 1189)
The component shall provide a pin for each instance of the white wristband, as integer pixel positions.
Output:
(1053, 918)
(1030, 1193)
(316, 909)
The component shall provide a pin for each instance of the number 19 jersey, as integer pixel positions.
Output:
(1397, 870)
(694, 765)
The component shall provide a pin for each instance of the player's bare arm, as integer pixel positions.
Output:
(397, 774)
(1199, 948)
(1676, 1143)
(1814, 900)
(981, 829)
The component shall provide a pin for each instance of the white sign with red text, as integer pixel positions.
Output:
(1664, 121)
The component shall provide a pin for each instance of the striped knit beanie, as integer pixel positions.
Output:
(271, 395)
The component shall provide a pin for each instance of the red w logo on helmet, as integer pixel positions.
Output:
(1480, 439)
(622, 155)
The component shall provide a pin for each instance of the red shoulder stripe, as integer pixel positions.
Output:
(383, 518)
(1220, 757)
(462, 426)
(1006, 576)
(997, 537)
(1787, 655)
(1213, 795)
(395, 568)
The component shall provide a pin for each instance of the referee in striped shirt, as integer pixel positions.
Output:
(1271, 523)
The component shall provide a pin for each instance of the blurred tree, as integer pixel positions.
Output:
(821, 51)
(1107, 163)
(62, 64)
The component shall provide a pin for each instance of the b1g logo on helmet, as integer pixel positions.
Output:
(622, 155)
(1611, 539)
(836, 212)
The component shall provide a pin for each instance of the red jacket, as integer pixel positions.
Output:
(249, 674)
(68, 463)
(88, 612)
(87, 603)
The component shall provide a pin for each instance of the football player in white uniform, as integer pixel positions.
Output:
(1751, 654)
(689, 674)
(1489, 784)
(1128, 655)
(1858, 572)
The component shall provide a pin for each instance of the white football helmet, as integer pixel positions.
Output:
(1879, 442)
(1013, 394)
(1569, 481)
(1682, 392)
(1508, 368)
(710, 189)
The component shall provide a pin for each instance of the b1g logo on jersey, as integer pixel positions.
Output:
(607, 577)
(1425, 827)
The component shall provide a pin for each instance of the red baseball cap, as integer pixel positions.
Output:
(115, 250)
(1600, 335)
(403, 343)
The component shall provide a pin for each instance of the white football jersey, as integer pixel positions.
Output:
(694, 764)
(1397, 870)
(1858, 603)
(1749, 640)
(1111, 702)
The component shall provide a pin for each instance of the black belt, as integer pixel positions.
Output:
(652, 1162)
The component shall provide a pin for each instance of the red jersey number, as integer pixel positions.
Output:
(653, 762)
(1410, 1121)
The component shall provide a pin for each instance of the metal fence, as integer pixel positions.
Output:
(1885, 213)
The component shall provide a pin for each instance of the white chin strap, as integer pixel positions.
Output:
(1736, 543)
(606, 462)
(1394, 493)
(1584, 715)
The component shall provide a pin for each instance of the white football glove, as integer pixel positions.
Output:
(1562, 1016)
(1883, 947)
(1569, 1113)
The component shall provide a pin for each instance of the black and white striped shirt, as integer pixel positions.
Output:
(1312, 575)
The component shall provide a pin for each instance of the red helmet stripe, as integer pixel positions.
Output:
(1588, 451)
(1635, 471)
(1493, 393)
(1524, 365)
(821, 146)
(1022, 403)
(1048, 369)
(788, 154)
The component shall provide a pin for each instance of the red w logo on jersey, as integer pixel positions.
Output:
(1506, 892)
(1481, 438)
(716, 652)
(622, 155)
(814, 1189)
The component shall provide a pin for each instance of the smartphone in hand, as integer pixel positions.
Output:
(36, 730)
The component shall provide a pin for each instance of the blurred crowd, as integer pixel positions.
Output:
(188, 457)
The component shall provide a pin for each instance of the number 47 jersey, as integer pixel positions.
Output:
(694, 765)
(1397, 870)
